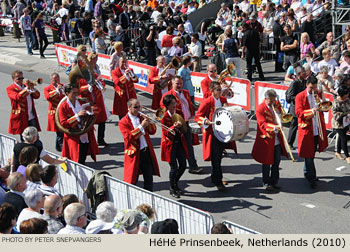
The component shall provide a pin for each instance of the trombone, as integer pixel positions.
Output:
(285, 118)
(323, 106)
(155, 121)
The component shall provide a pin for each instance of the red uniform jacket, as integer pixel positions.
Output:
(195, 138)
(206, 110)
(53, 98)
(124, 90)
(132, 149)
(305, 127)
(19, 111)
(168, 138)
(99, 104)
(154, 79)
(263, 149)
(71, 143)
(205, 83)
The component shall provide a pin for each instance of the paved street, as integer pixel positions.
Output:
(295, 209)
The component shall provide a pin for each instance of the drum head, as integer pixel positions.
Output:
(223, 128)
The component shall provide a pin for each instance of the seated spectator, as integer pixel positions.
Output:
(34, 226)
(28, 155)
(345, 65)
(147, 213)
(33, 177)
(30, 136)
(337, 79)
(220, 228)
(292, 21)
(346, 38)
(306, 46)
(52, 209)
(290, 75)
(8, 217)
(167, 39)
(317, 8)
(177, 48)
(35, 201)
(4, 173)
(17, 183)
(131, 222)
(168, 226)
(328, 61)
(49, 177)
(331, 45)
(103, 224)
(76, 219)
(325, 81)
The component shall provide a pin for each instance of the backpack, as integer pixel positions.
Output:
(288, 94)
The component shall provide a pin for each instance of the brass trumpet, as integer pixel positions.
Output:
(323, 106)
(38, 81)
(221, 79)
(285, 117)
(174, 63)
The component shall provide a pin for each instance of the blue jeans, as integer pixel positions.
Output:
(309, 165)
(271, 173)
(30, 40)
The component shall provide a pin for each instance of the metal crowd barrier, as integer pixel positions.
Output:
(6, 148)
(190, 220)
(238, 229)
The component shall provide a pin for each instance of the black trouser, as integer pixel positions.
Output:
(83, 151)
(146, 167)
(309, 165)
(271, 173)
(177, 163)
(342, 141)
(217, 149)
(59, 140)
(278, 65)
(192, 162)
(42, 40)
(151, 56)
(256, 56)
(101, 132)
(77, 40)
(293, 128)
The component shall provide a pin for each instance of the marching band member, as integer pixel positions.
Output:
(23, 113)
(139, 157)
(124, 79)
(269, 138)
(173, 147)
(309, 140)
(212, 147)
(205, 83)
(54, 93)
(94, 93)
(155, 79)
(185, 106)
(76, 147)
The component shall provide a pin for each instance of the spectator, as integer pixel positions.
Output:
(65, 30)
(277, 34)
(124, 19)
(103, 224)
(86, 25)
(8, 218)
(35, 201)
(168, 226)
(308, 5)
(254, 24)
(186, 38)
(290, 75)
(230, 48)
(131, 222)
(309, 27)
(306, 46)
(291, 21)
(345, 65)
(118, 53)
(76, 219)
(63, 11)
(195, 50)
(185, 73)
(331, 63)
(317, 10)
(49, 177)
(177, 49)
(39, 27)
(325, 81)
(27, 156)
(98, 12)
(289, 44)
(26, 26)
(111, 25)
(75, 28)
(4, 173)
(99, 41)
(151, 46)
(167, 38)
(17, 183)
(330, 44)
(190, 8)
(346, 38)
(245, 6)
(33, 177)
(89, 6)
(187, 24)
(33, 226)
(147, 213)
(220, 228)
(52, 210)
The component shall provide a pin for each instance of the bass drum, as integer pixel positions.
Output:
(230, 124)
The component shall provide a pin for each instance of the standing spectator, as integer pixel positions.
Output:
(167, 38)
(177, 49)
(17, 183)
(76, 219)
(99, 41)
(187, 24)
(86, 26)
(27, 156)
(111, 25)
(345, 65)
(65, 29)
(26, 26)
(250, 49)
(52, 209)
(195, 50)
(75, 27)
(118, 53)
(291, 21)
(168, 226)
(98, 12)
(49, 178)
(121, 36)
(245, 6)
(318, 8)
(4, 173)
(330, 44)
(124, 19)
(230, 48)
(35, 201)
(40, 33)
(306, 46)
(185, 73)
(289, 44)
(89, 6)
(8, 218)
(151, 46)
(277, 35)
(309, 27)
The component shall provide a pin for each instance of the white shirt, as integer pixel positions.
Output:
(76, 109)
(196, 49)
(135, 120)
(312, 102)
(26, 215)
(165, 89)
(277, 142)
(71, 230)
(218, 103)
(29, 103)
(184, 105)
(155, 16)
(244, 6)
(188, 27)
(62, 12)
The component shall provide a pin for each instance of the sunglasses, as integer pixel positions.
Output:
(137, 107)
(218, 89)
(213, 71)
(19, 78)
